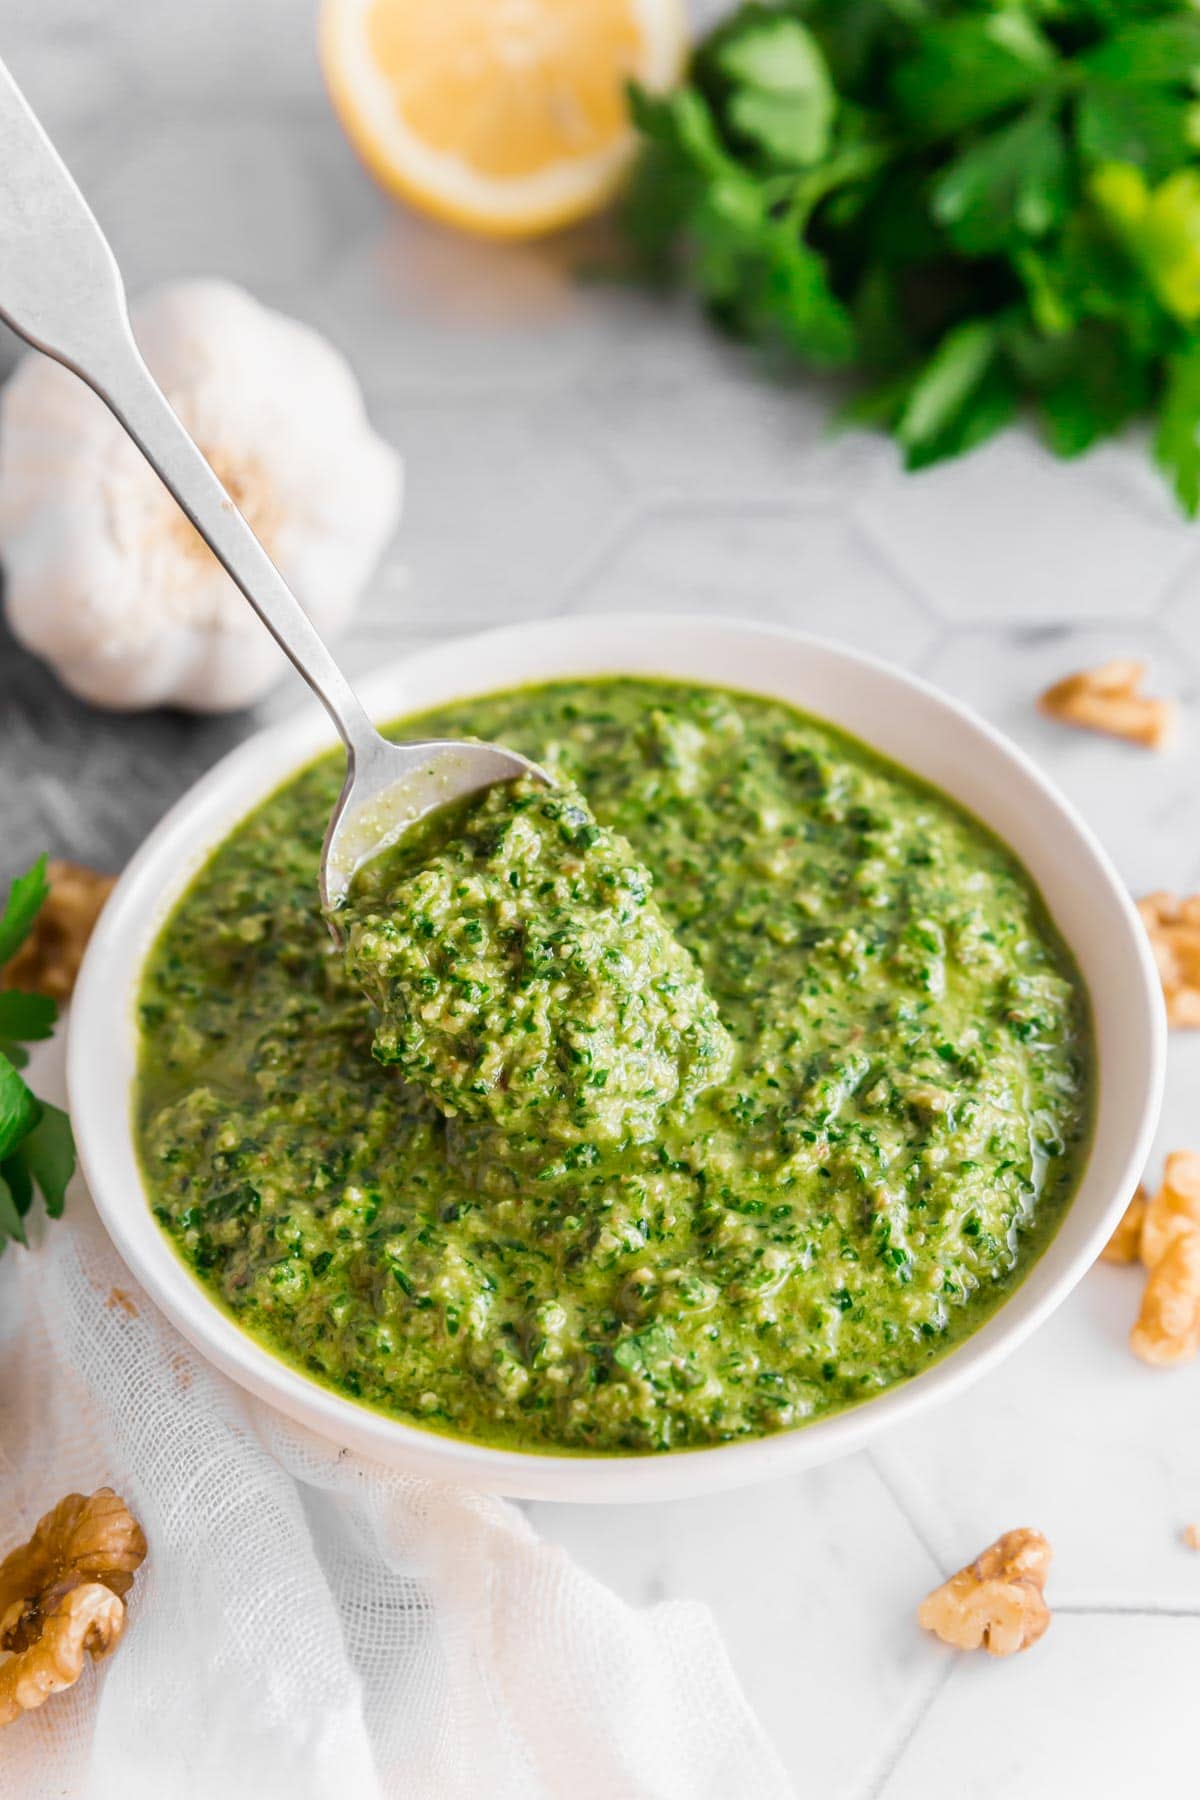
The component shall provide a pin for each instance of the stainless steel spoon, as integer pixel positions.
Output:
(61, 290)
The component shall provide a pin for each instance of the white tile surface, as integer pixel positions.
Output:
(573, 447)
(1010, 535)
(688, 413)
(805, 1574)
(503, 505)
(807, 567)
(1106, 1709)
(430, 312)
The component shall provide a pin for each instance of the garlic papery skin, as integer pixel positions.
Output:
(104, 576)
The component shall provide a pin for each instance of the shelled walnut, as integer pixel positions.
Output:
(1168, 1326)
(995, 1603)
(1162, 1232)
(62, 1596)
(1125, 1244)
(1173, 927)
(1109, 699)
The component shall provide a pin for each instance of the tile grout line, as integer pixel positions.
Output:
(880, 555)
(893, 1494)
(600, 553)
(1120, 1610)
(1176, 587)
(942, 634)
(878, 1782)
(887, 561)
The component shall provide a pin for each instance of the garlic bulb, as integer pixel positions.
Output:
(105, 577)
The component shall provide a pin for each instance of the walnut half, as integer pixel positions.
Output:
(1125, 1244)
(1109, 699)
(62, 1596)
(1175, 1208)
(1173, 927)
(1168, 1326)
(997, 1602)
(1168, 1243)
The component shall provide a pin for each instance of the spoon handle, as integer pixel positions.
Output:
(61, 290)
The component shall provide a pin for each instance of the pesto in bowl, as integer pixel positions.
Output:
(904, 1116)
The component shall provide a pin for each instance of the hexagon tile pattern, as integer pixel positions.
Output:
(808, 567)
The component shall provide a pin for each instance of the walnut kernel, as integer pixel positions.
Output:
(1124, 1246)
(62, 1596)
(1168, 1326)
(1108, 699)
(1173, 927)
(1174, 1209)
(85, 1618)
(996, 1602)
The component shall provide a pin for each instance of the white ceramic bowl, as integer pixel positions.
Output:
(900, 716)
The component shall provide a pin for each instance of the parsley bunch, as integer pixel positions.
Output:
(36, 1148)
(976, 204)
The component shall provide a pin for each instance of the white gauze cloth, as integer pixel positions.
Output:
(310, 1624)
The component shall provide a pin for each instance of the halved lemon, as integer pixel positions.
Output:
(505, 116)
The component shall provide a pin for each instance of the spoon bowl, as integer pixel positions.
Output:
(388, 787)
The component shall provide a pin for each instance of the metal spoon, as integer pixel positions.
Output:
(61, 290)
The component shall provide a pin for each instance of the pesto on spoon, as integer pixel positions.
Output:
(524, 975)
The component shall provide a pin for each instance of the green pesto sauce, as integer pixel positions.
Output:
(899, 1131)
(524, 974)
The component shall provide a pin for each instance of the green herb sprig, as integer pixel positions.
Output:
(977, 206)
(37, 1152)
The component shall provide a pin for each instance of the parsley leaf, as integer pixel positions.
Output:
(12, 1223)
(18, 1109)
(784, 100)
(964, 70)
(953, 372)
(48, 1155)
(1134, 125)
(20, 1183)
(25, 1017)
(37, 1152)
(1153, 52)
(1160, 228)
(25, 897)
(1010, 185)
(1177, 445)
(964, 394)
(1090, 383)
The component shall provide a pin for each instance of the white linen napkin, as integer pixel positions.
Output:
(311, 1625)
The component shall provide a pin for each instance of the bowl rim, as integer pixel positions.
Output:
(99, 1076)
